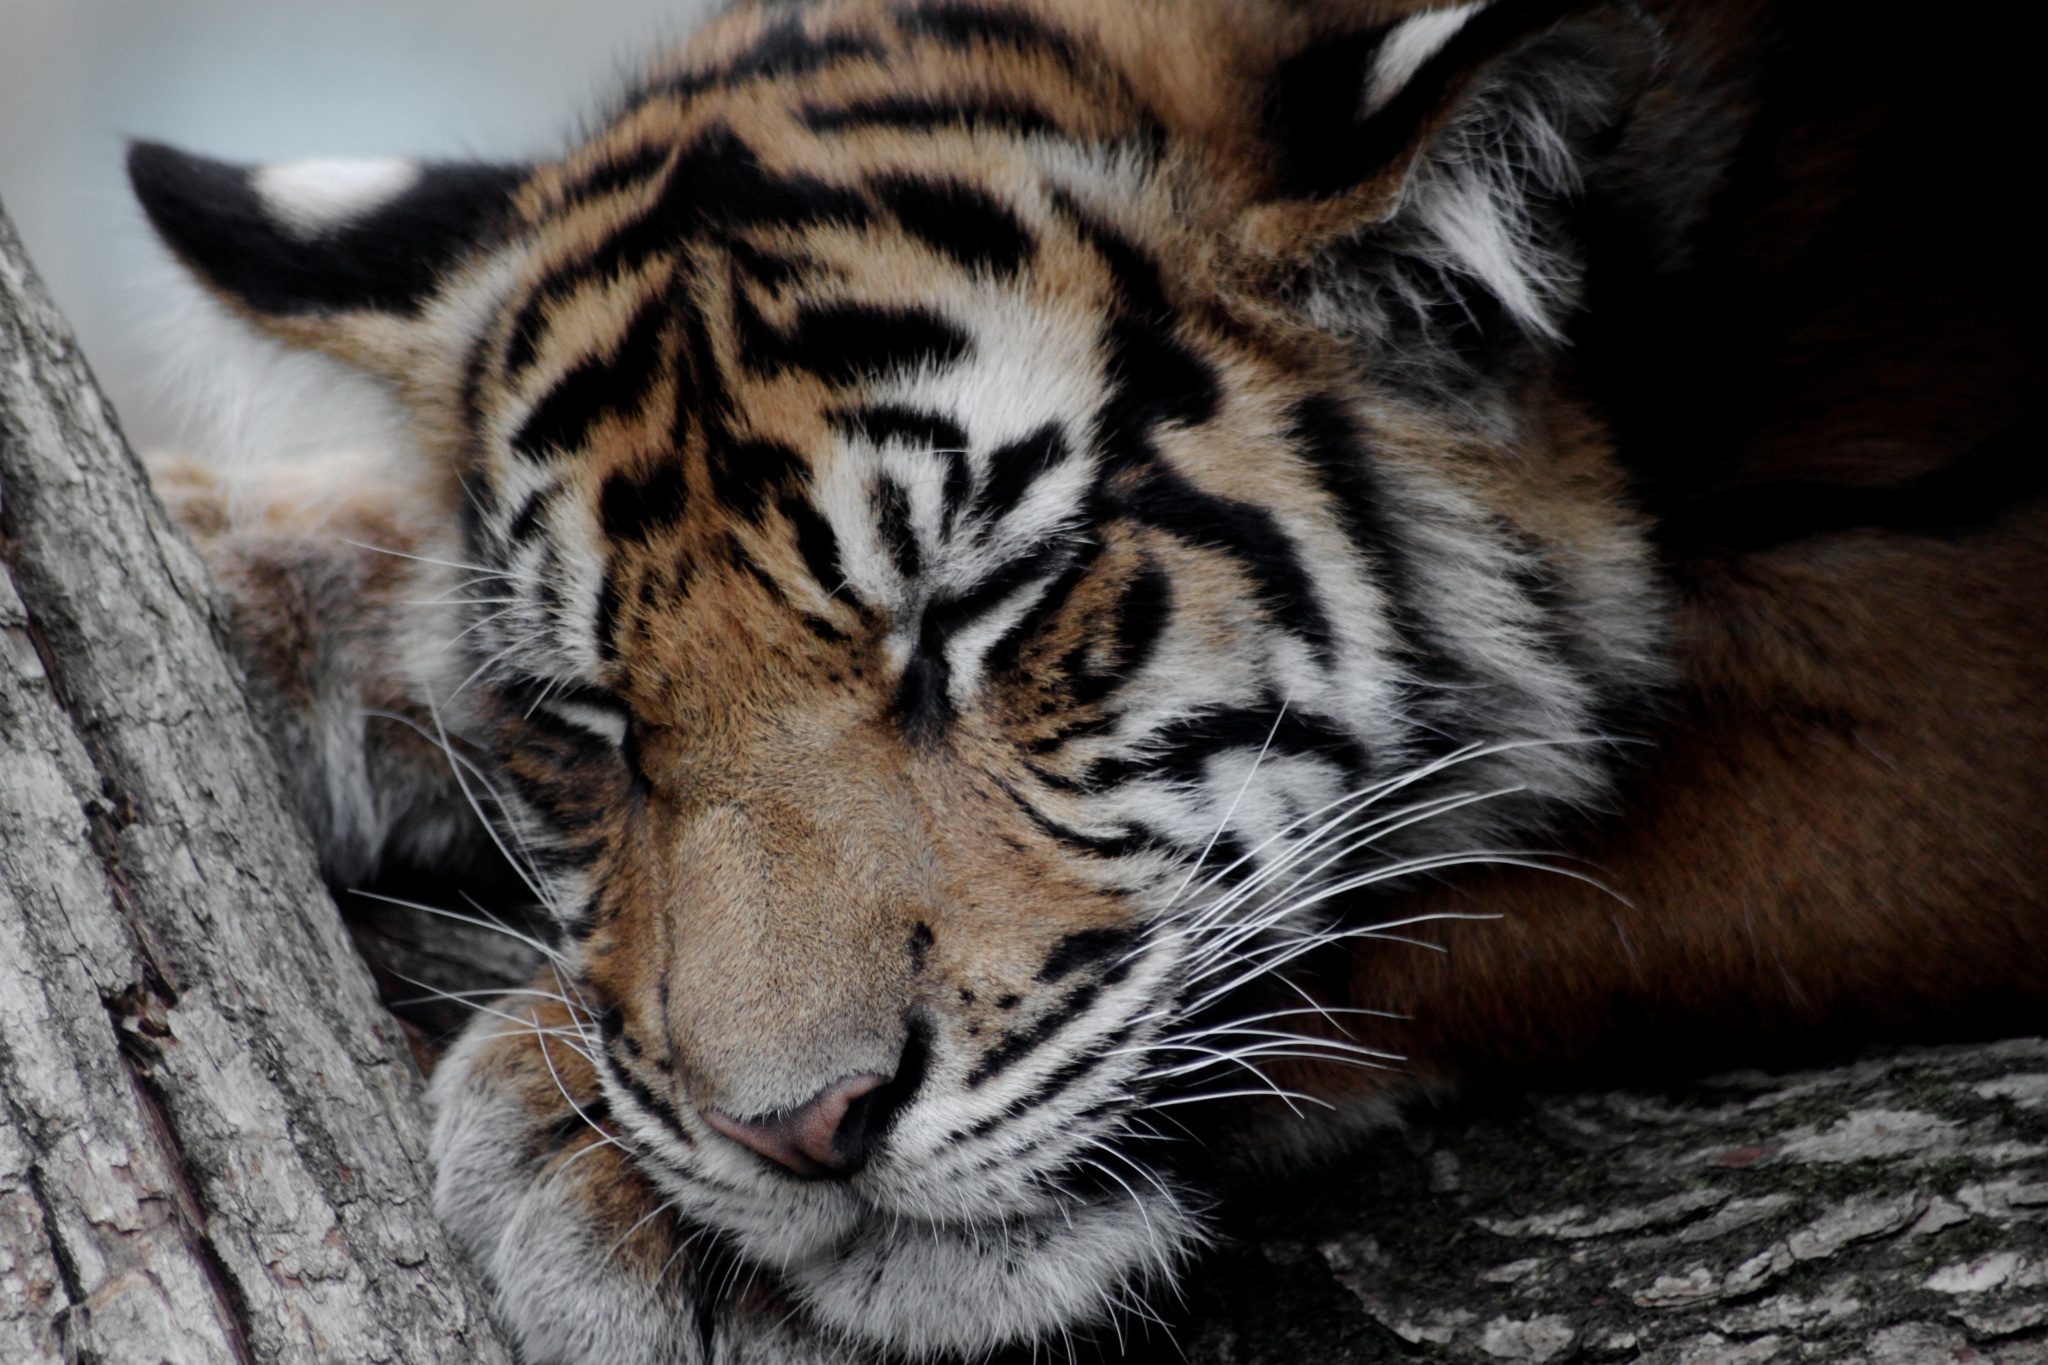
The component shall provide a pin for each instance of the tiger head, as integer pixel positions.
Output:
(990, 536)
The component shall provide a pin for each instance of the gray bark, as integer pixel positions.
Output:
(211, 1137)
(1892, 1211)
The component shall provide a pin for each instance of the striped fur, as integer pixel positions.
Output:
(978, 545)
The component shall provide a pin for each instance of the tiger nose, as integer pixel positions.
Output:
(826, 1135)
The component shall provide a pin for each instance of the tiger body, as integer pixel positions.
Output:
(999, 566)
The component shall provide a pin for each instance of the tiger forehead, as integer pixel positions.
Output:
(692, 264)
(831, 363)
(844, 82)
(778, 119)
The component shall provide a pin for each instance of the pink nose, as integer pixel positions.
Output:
(817, 1138)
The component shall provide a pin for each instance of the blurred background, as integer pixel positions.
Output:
(264, 80)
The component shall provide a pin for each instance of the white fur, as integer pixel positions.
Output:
(245, 402)
(1411, 43)
(321, 194)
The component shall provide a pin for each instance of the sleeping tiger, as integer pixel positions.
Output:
(1065, 602)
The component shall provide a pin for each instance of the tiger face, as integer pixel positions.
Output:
(981, 547)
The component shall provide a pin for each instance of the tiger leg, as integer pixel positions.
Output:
(333, 571)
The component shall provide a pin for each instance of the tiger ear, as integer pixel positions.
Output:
(1441, 137)
(345, 255)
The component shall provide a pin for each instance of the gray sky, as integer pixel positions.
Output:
(269, 79)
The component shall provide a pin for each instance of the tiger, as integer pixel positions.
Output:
(1067, 605)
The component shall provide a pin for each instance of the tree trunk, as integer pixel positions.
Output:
(211, 1140)
(1892, 1211)
(211, 1137)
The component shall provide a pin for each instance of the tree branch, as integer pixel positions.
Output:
(211, 1137)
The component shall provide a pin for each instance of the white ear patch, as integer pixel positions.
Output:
(317, 195)
(1412, 42)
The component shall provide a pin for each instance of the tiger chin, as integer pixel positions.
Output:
(1006, 570)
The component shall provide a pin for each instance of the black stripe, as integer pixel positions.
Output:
(964, 26)
(953, 493)
(1004, 655)
(958, 221)
(1247, 533)
(1142, 614)
(618, 171)
(1014, 467)
(565, 751)
(846, 343)
(1017, 1046)
(479, 504)
(569, 857)
(606, 624)
(632, 508)
(760, 575)
(817, 545)
(758, 344)
(1141, 618)
(923, 704)
(597, 387)
(652, 1104)
(549, 579)
(745, 472)
(948, 616)
(1180, 752)
(769, 269)
(1322, 430)
(1059, 1079)
(784, 49)
(1100, 846)
(1157, 380)
(1083, 948)
(526, 691)
(1135, 275)
(892, 521)
(886, 422)
(584, 1119)
(699, 385)
(928, 115)
(528, 521)
(1057, 781)
(474, 360)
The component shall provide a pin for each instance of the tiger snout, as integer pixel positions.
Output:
(833, 994)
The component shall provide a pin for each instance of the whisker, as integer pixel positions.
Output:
(540, 946)
(478, 569)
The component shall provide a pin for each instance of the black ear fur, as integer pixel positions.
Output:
(1328, 142)
(389, 258)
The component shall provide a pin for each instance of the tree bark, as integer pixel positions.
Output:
(211, 1137)
(1893, 1211)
